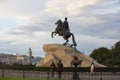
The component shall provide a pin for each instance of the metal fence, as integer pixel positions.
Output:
(46, 75)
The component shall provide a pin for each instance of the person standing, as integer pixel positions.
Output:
(53, 68)
(59, 68)
(92, 69)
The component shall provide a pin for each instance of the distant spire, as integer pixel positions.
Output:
(30, 52)
(29, 56)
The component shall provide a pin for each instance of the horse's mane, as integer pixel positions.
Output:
(60, 21)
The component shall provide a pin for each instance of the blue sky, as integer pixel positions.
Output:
(29, 23)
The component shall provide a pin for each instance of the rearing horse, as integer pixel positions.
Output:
(66, 35)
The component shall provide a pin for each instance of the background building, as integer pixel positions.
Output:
(11, 59)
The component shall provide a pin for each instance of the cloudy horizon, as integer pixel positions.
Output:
(28, 23)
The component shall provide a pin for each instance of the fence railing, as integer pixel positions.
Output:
(66, 75)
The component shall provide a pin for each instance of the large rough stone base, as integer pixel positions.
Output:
(55, 52)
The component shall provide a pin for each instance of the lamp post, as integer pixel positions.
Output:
(76, 62)
(10, 59)
(101, 71)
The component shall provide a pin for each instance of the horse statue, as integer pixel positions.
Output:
(65, 34)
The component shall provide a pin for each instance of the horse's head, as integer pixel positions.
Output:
(58, 22)
(58, 29)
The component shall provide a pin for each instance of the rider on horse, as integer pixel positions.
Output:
(66, 29)
(63, 30)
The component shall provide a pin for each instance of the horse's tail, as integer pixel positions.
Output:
(74, 42)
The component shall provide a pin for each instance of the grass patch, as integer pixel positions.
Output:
(6, 78)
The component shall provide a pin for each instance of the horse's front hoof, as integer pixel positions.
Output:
(52, 36)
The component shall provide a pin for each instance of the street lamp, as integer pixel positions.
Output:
(76, 62)
(101, 71)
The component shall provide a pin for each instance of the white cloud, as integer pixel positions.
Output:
(76, 8)
(42, 33)
(68, 7)
(111, 33)
(88, 43)
(21, 9)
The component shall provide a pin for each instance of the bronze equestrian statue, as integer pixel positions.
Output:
(63, 30)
